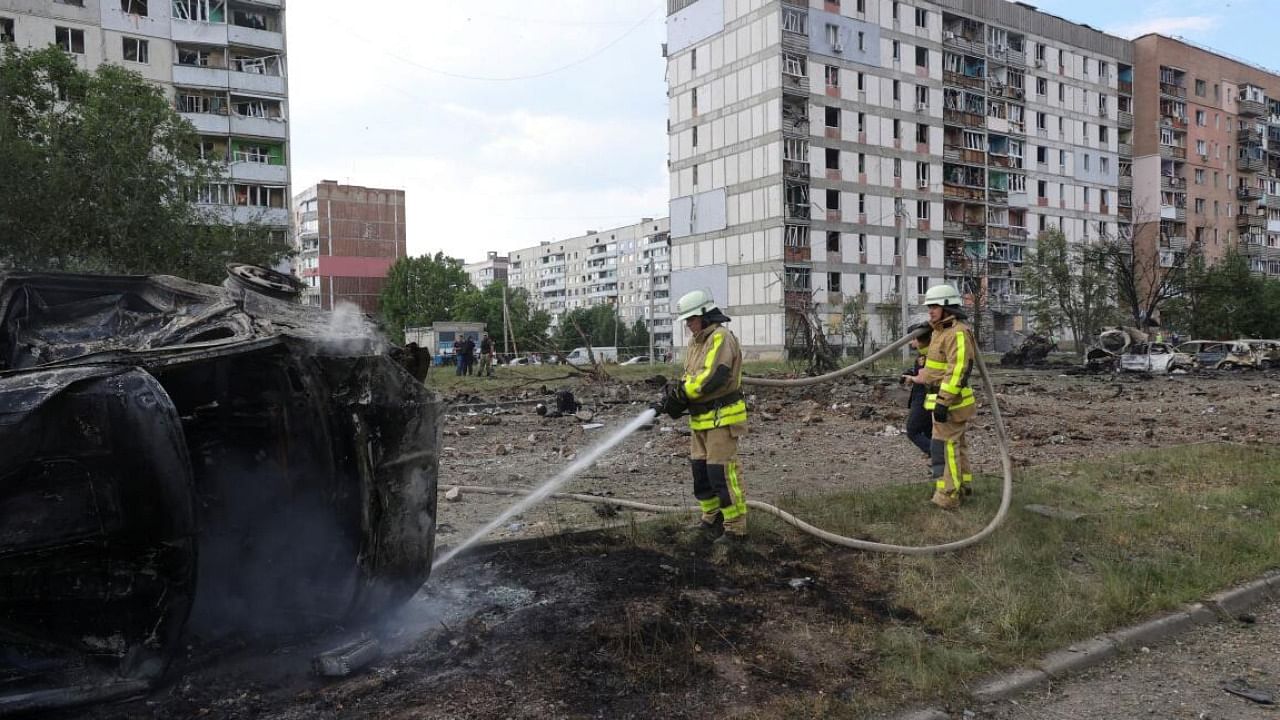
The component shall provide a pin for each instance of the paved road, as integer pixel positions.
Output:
(1177, 680)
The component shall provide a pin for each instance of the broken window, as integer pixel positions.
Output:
(134, 7)
(251, 19)
(259, 195)
(200, 10)
(196, 102)
(260, 108)
(192, 56)
(136, 50)
(69, 39)
(798, 278)
(214, 194)
(263, 65)
(6, 30)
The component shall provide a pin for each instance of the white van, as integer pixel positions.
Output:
(579, 356)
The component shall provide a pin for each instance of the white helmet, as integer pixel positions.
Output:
(693, 304)
(944, 295)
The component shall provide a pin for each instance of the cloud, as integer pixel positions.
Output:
(1168, 25)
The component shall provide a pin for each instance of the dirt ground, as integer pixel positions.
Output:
(561, 621)
(1181, 679)
(830, 438)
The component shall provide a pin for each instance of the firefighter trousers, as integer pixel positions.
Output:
(949, 453)
(717, 477)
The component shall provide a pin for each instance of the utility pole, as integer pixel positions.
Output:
(506, 323)
(651, 293)
(901, 212)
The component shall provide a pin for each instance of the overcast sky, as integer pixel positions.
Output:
(520, 121)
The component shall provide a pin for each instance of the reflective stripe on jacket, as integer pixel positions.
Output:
(948, 365)
(713, 378)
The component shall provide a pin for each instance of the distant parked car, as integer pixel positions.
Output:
(1244, 354)
(1205, 353)
(637, 360)
(526, 360)
(1156, 357)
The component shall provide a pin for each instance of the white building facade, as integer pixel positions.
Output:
(628, 267)
(492, 269)
(814, 143)
(222, 62)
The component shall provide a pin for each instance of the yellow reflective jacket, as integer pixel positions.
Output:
(948, 365)
(712, 379)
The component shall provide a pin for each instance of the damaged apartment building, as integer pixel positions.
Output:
(817, 147)
(221, 61)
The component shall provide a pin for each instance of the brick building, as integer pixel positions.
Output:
(348, 238)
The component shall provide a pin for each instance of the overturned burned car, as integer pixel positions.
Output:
(183, 461)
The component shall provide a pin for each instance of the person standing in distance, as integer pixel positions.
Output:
(946, 371)
(710, 390)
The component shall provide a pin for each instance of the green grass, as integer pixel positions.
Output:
(1161, 528)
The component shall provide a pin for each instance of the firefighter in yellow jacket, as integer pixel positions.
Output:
(710, 391)
(950, 398)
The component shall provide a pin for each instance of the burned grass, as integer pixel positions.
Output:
(645, 620)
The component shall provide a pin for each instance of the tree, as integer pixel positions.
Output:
(638, 339)
(855, 323)
(1068, 286)
(528, 326)
(596, 326)
(98, 175)
(1144, 277)
(422, 290)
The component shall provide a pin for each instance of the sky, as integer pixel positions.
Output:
(511, 122)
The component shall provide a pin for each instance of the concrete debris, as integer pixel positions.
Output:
(593, 426)
(453, 494)
(490, 420)
(346, 659)
(1241, 688)
(889, 431)
(800, 583)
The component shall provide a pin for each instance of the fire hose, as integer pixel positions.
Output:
(1006, 496)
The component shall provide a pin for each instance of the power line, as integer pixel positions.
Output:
(380, 47)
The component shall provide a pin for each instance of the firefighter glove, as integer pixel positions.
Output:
(940, 412)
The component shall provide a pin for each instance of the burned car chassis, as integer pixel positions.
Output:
(182, 461)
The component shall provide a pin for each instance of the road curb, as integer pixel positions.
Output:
(1231, 603)
(1085, 654)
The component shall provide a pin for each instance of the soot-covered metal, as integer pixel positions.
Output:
(181, 461)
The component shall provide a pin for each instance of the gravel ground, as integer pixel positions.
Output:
(842, 436)
(1176, 680)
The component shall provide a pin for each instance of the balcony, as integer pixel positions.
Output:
(196, 32)
(961, 192)
(1173, 152)
(260, 172)
(242, 215)
(967, 119)
(1180, 213)
(208, 123)
(962, 43)
(1017, 233)
(1251, 223)
(255, 82)
(253, 37)
(1124, 149)
(1174, 91)
(795, 42)
(259, 127)
(1249, 136)
(961, 80)
(1251, 108)
(1168, 182)
(1177, 243)
(199, 76)
(1248, 193)
(795, 83)
(1125, 119)
(1126, 182)
(1250, 164)
(964, 155)
(1273, 202)
(1125, 87)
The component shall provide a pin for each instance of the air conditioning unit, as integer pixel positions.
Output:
(948, 35)
(1039, 64)
(837, 47)
(922, 183)
(921, 107)
(1102, 112)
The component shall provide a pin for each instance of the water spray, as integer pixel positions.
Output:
(537, 495)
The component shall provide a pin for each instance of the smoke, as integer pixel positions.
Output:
(350, 333)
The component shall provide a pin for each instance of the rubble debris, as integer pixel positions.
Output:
(161, 442)
(454, 493)
(347, 658)
(1031, 351)
(1241, 688)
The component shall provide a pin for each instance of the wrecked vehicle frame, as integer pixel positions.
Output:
(183, 462)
